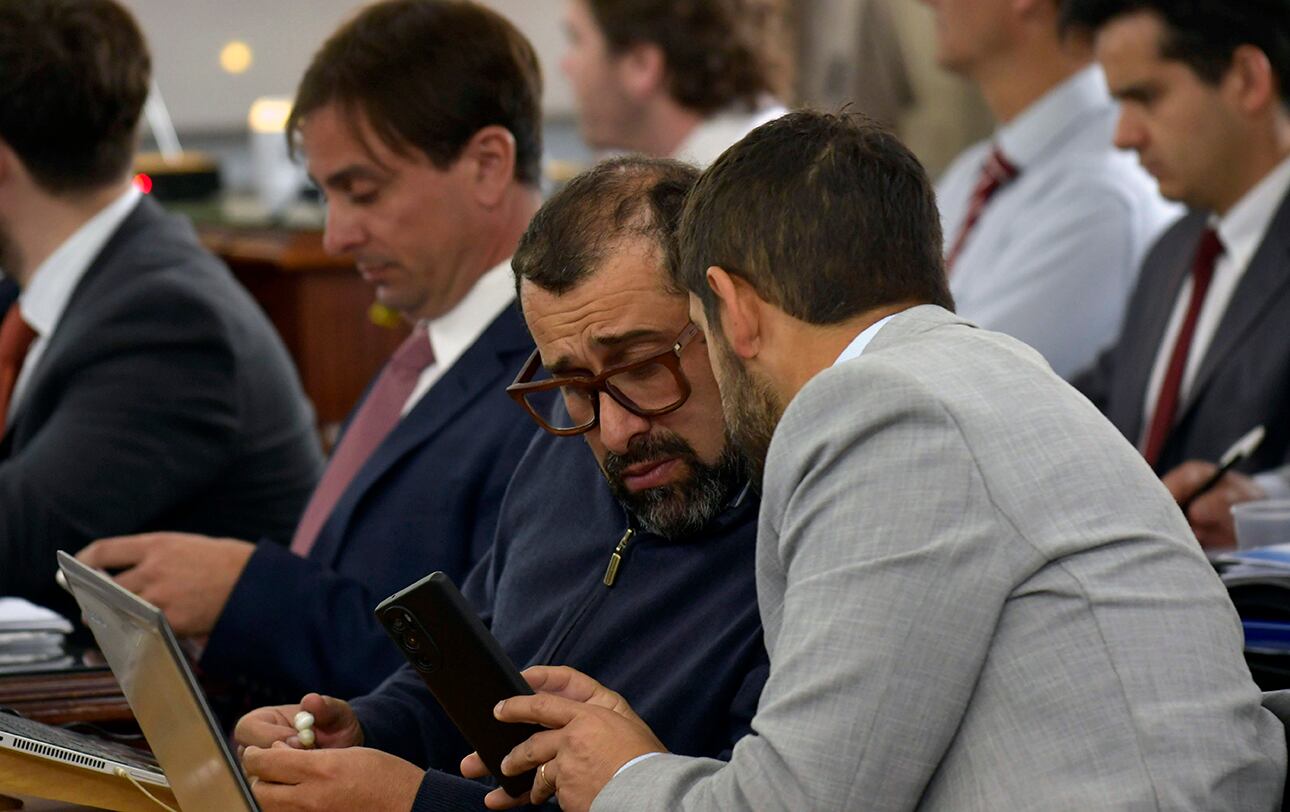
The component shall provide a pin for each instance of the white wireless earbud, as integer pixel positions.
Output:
(304, 724)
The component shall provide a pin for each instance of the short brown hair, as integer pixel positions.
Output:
(74, 77)
(430, 74)
(826, 216)
(574, 231)
(719, 52)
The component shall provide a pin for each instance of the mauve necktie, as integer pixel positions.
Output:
(379, 414)
(996, 172)
(1162, 418)
(16, 337)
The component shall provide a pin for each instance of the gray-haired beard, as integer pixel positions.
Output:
(681, 508)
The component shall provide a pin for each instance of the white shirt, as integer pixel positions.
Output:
(860, 342)
(705, 143)
(1055, 254)
(52, 284)
(1241, 231)
(454, 332)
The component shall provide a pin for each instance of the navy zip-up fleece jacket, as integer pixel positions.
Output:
(677, 633)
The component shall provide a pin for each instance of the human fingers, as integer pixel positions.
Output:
(472, 766)
(280, 764)
(573, 684)
(117, 552)
(547, 710)
(335, 723)
(263, 726)
(1184, 480)
(533, 752)
(274, 797)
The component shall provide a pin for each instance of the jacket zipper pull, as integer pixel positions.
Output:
(616, 558)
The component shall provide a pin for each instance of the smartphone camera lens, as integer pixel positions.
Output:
(411, 640)
(399, 623)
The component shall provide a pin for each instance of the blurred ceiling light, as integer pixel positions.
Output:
(235, 57)
(269, 114)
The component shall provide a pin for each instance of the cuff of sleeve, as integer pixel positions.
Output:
(441, 792)
(234, 643)
(634, 762)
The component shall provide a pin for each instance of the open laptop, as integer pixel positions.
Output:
(144, 655)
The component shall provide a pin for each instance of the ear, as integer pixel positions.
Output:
(1250, 81)
(642, 71)
(489, 161)
(739, 311)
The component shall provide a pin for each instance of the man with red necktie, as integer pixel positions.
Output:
(419, 121)
(1204, 352)
(1044, 222)
(140, 386)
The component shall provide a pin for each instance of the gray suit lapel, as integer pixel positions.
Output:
(105, 269)
(1163, 281)
(1258, 293)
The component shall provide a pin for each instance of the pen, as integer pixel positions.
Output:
(1239, 452)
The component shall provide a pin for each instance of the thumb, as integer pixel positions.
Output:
(328, 711)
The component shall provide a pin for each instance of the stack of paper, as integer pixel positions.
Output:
(31, 636)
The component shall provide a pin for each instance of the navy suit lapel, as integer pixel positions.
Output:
(1257, 294)
(480, 368)
(1145, 338)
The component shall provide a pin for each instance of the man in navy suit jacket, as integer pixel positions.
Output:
(419, 120)
(141, 388)
(1204, 353)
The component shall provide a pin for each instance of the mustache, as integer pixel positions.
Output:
(647, 449)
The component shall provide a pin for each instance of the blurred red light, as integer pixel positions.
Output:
(143, 183)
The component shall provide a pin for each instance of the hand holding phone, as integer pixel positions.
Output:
(463, 665)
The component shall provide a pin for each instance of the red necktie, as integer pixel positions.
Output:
(15, 339)
(1162, 419)
(996, 172)
(379, 414)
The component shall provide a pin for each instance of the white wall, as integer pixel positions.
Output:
(186, 37)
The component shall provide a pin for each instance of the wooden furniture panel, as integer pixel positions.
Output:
(320, 306)
(25, 775)
(61, 698)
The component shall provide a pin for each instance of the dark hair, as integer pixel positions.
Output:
(826, 216)
(430, 74)
(1202, 34)
(571, 234)
(719, 52)
(73, 79)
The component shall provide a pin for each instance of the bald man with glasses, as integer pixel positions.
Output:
(634, 562)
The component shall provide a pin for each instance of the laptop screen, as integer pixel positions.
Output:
(140, 647)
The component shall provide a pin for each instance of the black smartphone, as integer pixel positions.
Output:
(463, 665)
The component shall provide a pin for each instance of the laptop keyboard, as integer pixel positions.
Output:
(76, 742)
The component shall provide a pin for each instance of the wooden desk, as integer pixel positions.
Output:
(27, 776)
(59, 698)
(318, 303)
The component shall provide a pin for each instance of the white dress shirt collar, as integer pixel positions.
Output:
(1024, 139)
(860, 342)
(51, 285)
(705, 143)
(455, 331)
(1242, 228)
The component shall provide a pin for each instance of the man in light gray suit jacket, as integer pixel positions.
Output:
(976, 595)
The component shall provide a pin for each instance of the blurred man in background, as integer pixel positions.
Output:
(676, 78)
